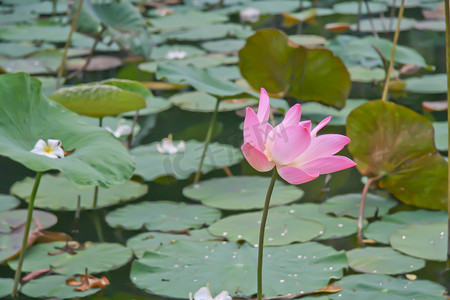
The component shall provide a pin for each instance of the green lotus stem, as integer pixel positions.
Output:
(66, 48)
(261, 233)
(98, 226)
(447, 52)
(394, 44)
(37, 180)
(207, 141)
(361, 208)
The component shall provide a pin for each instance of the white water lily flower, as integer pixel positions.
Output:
(52, 149)
(176, 54)
(204, 294)
(168, 147)
(122, 129)
(250, 15)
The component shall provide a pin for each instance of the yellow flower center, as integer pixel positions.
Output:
(266, 153)
(48, 149)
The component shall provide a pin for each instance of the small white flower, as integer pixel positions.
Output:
(163, 11)
(123, 129)
(168, 147)
(176, 54)
(204, 294)
(250, 15)
(52, 149)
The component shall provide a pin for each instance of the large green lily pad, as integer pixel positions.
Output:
(155, 105)
(334, 227)
(104, 98)
(395, 142)
(305, 74)
(427, 241)
(349, 204)
(225, 45)
(26, 116)
(150, 164)
(37, 32)
(97, 258)
(281, 229)
(184, 267)
(162, 215)
(371, 286)
(213, 31)
(161, 52)
(54, 286)
(187, 19)
(8, 202)
(199, 79)
(382, 260)
(151, 241)
(384, 24)
(57, 193)
(241, 192)
(381, 231)
(203, 102)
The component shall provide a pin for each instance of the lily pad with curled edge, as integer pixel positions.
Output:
(103, 98)
(381, 231)
(155, 105)
(241, 192)
(291, 69)
(351, 8)
(382, 260)
(371, 286)
(162, 215)
(427, 84)
(54, 286)
(394, 142)
(6, 286)
(334, 227)
(58, 193)
(203, 102)
(441, 135)
(225, 45)
(384, 25)
(97, 258)
(317, 112)
(428, 241)
(183, 267)
(348, 205)
(281, 228)
(8, 202)
(151, 241)
(25, 115)
(150, 164)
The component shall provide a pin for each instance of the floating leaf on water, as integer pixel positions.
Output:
(241, 192)
(349, 204)
(427, 84)
(6, 286)
(150, 164)
(351, 8)
(281, 229)
(97, 258)
(334, 227)
(54, 286)
(151, 241)
(306, 74)
(8, 202)
(428, 241)
(382, 260)
(187, 19)
(162, 215)
(384, 24)
(155, 105)
(58, 193)
(224, 45)
(184, 267)
(203, 102)
(317, 112)
(370, 286)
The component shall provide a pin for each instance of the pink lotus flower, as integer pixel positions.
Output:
(292, 147)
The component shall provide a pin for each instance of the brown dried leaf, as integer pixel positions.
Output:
(337, 27)
(87, 282)
(50, 237)
(35, 274)
(70, 247)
